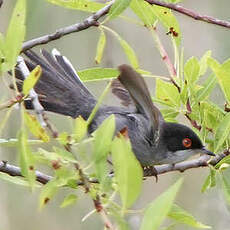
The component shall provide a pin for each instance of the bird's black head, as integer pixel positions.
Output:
(179, 137)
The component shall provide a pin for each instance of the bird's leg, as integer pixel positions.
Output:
(150, 171)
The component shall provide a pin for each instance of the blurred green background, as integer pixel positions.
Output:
(18, 206)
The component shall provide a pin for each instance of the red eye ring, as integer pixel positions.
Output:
(187, 142)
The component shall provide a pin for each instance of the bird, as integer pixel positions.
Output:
(154, 141)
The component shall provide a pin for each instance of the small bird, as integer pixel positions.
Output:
(154, 141)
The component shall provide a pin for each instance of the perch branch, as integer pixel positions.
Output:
(161, 169)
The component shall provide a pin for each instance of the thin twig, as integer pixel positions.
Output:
(190, 13)
(1, 1)
(93, 21)
(165, 58)
(88, 22)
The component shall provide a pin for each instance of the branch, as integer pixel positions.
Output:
(93, 21)
(161, 169)
(1, 1)
(39, 110)
(88, 22)
(190, 13)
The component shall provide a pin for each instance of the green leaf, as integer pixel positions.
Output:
(225, 160)
(127, 170)
(64, 155)
(35, 127)
(169, 21)
(16, 180)
(181, 216)
(31, 80)
(58, 154)
(168, 93)
(203, 62)
(48, 192)
(222, 73)
(98, 74)
(129, 52)
(226, 188)
(212, 114)
(210, 181)
(69, 200)
(15, 33)
(191, 71)
(222, 133)
(169, 114)
(100, 47)
(102, 143)
(80, 128)
(117, 8)
(84, 5)
(144, 11)
(26, 158)
(157, 211)
(206, 89)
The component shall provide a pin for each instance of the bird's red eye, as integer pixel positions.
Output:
(187, 142)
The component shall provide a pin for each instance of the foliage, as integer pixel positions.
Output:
(188, 96)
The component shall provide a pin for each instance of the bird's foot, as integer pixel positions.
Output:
(150, 171)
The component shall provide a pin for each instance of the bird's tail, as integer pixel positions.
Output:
(59, 88)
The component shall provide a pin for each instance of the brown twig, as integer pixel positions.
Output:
(1, 1)
(88, 22)
(93, 21)
(190, 13)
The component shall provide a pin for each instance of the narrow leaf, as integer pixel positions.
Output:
(144, 11)
(210, 181)
(80, 129)
(207, 88)
(181, 216)
(48, 192)
(222, 132)
(15, 33)
(127, 169)
(31, 80)
(222, 73)
(26, 158)
(102, 144)
(203, 62)
(191, 70)
(168, 93)
(117, 8)
(225, 160)
(100, 47)
(129, 53)
(98, 74)
(16, 180)
(169, 21)
(226, 188)
(84, 5)
(159, 208)
(35, 127)
(69, 200)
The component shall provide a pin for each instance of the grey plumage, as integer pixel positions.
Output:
(153, 140)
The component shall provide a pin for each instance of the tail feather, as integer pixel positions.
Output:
(59, 88)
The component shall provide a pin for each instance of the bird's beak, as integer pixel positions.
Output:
(205, 151)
